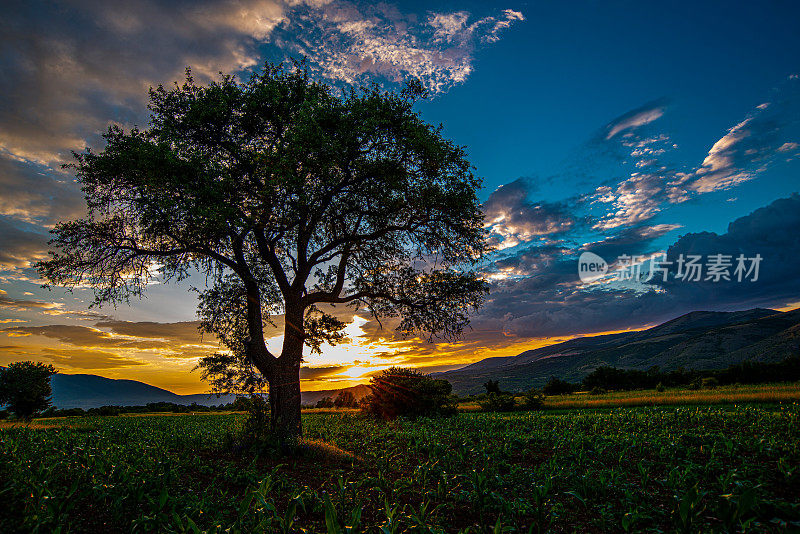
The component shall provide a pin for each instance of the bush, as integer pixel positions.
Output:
(498, 402)
(104, 411)
(345, 399)
(407, 392)
(660, 387)
(256, 427)
(597, 390)
(492, 386)
(325, 402)
(696, 384)
(67, 412)
(533, 399)
(556, 386)
(710, 383)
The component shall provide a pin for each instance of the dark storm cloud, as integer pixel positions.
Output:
(773, 232)
(550, 301)
(629, 241)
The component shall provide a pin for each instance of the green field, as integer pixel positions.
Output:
(685, 469)
(758, 393)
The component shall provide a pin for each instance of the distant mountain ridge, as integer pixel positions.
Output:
(696, 340)
(92, 391)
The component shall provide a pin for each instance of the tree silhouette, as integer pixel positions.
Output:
(492, 386)
(290, 198)
(345, 399)
(25, 387)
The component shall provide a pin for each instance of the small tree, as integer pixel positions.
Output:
(288, 197)
(498, 402)
(25, 387)
(533, 399)
(492, 386)
(325, 402)
(407, 392)
(556, 386)
(345, 399)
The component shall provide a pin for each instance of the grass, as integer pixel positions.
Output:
(762, 393)
(666, 469)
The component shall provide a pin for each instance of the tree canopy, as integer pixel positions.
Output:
(290, 198)
(25, 388)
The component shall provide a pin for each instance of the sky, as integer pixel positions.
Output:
(628, 135)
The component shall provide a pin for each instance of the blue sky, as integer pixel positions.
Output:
(612, 127)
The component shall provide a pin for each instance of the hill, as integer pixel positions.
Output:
(92, 391)
(697, 340)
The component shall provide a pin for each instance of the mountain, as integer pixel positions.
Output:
(697, 340)
(92, 391)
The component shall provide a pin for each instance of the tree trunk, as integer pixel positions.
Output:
(284, 402)
(284, 383)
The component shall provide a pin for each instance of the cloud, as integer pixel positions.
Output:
(745, 150)
(550, 301)
(185, 333)
(170, 340)
(356, 42)
(20, 244)
(631, 241)
(89, 359)
(749, 147)
(316, 373)
(37, 194)
(719, 169)
(634, 200)
(770, 232)
(69, 68)
(512, 219)
(81, 336)
(636, 118)
(26, 305)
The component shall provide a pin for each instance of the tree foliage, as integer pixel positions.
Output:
(325, 402)
(289, 198)
(25, 388)
(407, 392)
(345, 399)
(492, 386)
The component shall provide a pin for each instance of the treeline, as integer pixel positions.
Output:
(166, 407)
(613, 379)
(345, 399)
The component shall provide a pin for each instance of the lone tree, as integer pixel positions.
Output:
(345, 399)
(290, 198)
(25, 387)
